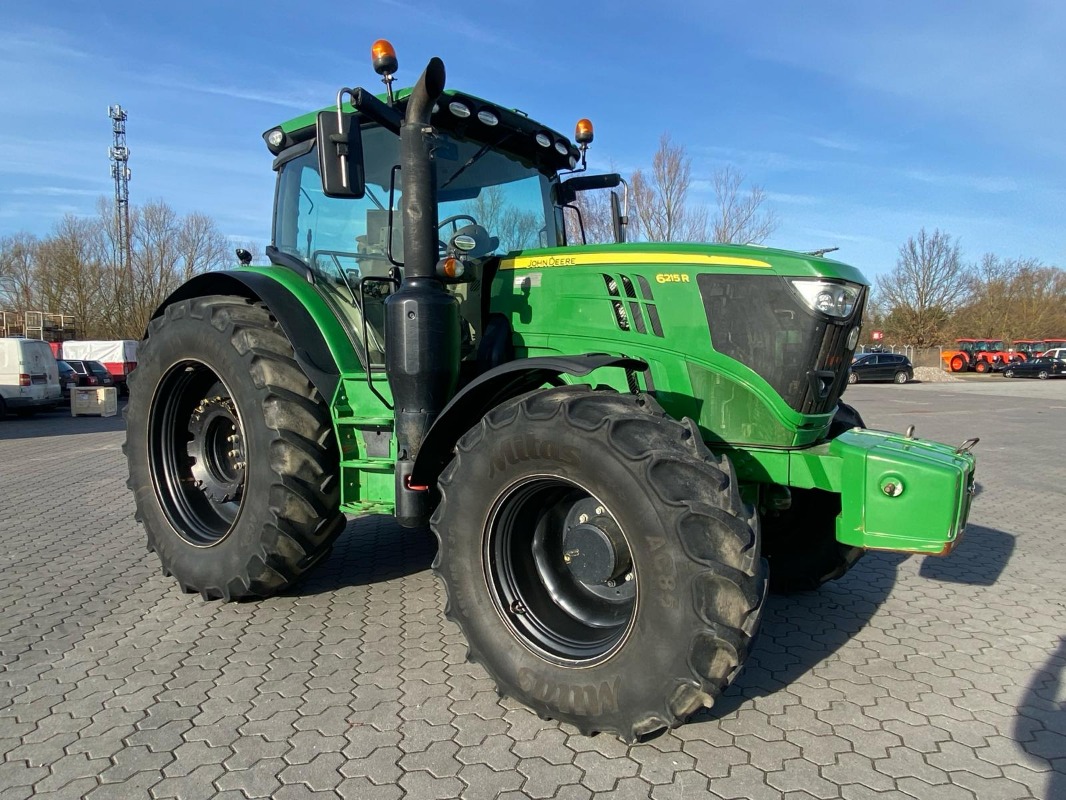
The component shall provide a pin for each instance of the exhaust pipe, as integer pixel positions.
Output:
(421, 319)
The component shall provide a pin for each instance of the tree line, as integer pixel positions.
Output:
(78, 268)
(933, 296)
(930, 297)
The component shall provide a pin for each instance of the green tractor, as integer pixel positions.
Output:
(619, 447)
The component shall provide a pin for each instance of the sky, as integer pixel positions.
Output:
(862, 121)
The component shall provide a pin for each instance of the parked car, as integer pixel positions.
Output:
(29, 377)
(119, 356)
(90, 373)
(1055, 352)
(68, 378)
(1042, 368)
(881, 367)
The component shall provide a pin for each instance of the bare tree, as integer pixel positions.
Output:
(1013, 298)
(927, 285)
(70, 275)
(661, 208)
(201, 247)
(18, 265)
(516, 228)
(596, 220)
(740, 216)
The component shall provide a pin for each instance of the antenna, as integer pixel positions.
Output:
(119, 155)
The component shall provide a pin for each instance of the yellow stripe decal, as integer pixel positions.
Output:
(609, 259)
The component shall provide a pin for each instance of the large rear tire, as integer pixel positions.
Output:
(800, 542)
(599, 559)
(231, 455)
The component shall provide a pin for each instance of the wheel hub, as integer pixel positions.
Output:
(594, 549)
(560, 570)
(216, 450)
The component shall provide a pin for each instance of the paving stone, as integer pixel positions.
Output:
(908, 678)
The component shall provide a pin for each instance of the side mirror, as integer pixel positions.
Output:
(618, 220)
(340, 154)
(568, 189)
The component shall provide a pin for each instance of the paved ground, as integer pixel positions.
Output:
(910, 678)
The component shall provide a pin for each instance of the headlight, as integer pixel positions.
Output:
(832, 299)
(458, 109)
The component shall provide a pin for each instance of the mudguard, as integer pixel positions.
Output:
(492, 388)
(313, 353)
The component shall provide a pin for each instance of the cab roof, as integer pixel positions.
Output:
(513, 131)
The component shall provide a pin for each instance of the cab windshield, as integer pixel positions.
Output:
(345, 240)
(510, 200)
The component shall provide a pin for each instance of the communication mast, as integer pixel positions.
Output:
(120, 172)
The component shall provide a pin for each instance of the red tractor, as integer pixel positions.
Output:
(979, 355)
(1024, 349)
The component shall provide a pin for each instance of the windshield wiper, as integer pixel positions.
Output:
(476, 157)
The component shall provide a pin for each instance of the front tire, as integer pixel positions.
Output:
(232, 459)
(599, 559)
(800, 542)
(901, 377)
(1008, 373)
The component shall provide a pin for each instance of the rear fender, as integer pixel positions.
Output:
(298, 308)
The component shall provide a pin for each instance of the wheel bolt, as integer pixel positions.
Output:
(599, 511)
(583, 518)
(518, 608)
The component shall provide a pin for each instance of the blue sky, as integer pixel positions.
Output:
(863, 121)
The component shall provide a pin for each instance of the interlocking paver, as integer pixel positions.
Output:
(910, 678)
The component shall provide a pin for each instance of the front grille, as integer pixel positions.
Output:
(759, 321)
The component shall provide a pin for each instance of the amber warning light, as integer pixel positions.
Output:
(385, 64)
(384, 55)
(583, 134)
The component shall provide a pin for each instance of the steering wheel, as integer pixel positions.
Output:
(454, 221)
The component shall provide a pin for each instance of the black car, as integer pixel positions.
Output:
(881, 367)
(90, 373)
(1036, 368)
(67, 378)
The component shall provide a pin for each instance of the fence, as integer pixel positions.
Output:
(919, 356)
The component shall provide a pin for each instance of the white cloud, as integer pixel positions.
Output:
(978, 183)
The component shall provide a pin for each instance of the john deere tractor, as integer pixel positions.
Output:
(618, 447)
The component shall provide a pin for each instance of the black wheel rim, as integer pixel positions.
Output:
(560, 571)
(197, 453)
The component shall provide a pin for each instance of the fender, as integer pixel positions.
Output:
(492, 388)
(298, 308)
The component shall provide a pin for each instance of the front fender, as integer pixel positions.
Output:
(494, 387)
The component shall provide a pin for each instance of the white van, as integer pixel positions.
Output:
(29, 377)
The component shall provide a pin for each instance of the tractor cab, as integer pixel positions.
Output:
(1025, 349)
(490, 200)
(499, 189)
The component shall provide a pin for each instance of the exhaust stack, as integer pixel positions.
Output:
(421, 318)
